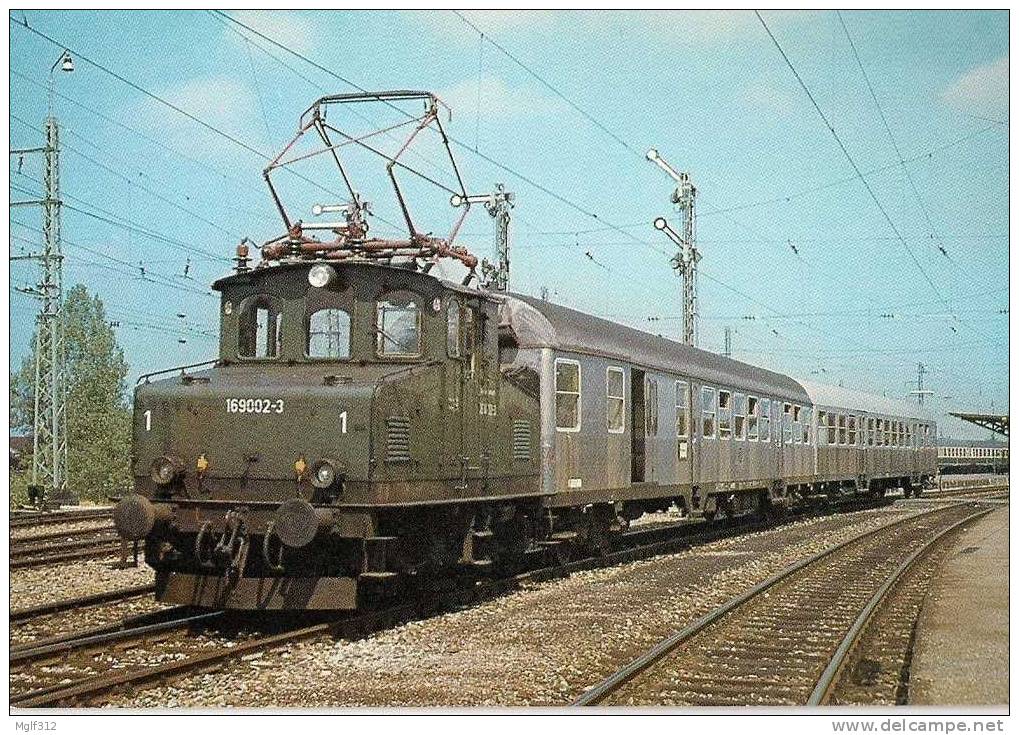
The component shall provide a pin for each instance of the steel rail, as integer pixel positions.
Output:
(67, 542)
(34, 560)
(49, 608)
(50, 647)
(44, 518)
(600, 691)
(52, 535)
(831, 675)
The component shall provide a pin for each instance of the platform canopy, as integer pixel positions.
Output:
(994, 422)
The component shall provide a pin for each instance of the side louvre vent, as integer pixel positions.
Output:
(398, 439)
(522, 440)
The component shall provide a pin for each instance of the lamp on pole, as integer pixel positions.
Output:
(49, 459)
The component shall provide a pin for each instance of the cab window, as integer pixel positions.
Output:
(453, 328)
(260, 328)
(328, 334)
(398, 326)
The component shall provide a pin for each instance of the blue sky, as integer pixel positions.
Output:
(708, 89)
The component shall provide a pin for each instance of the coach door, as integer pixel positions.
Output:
(638, 427)
(706, 432)
(777, 437)
(684, 451)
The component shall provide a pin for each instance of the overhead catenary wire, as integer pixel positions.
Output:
(895, 146)
(129, 180)
(849, 157)
(503, 167)
(130, 268)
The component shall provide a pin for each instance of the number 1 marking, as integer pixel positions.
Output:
(343, 422)
(148, 420)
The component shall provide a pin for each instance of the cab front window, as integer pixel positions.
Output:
(398, 325)
(328, 334)
(261, 328)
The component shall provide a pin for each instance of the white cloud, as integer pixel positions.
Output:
(220, 101)
(287, 27)
(683, 26)
(981, 90)
(498, 99)
(761, 96)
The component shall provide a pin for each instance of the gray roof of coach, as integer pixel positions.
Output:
(838, 397)
(537, 323)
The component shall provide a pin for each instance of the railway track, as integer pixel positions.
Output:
(55, 547)
(76, 603)
(209, 652)
(212, 652)
(44, 518)
(979, 491)
(786, 640)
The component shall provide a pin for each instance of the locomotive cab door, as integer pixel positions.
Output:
(479, 385)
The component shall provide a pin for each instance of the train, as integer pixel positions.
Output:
(372, 427)
(957, 456)
(366, 427)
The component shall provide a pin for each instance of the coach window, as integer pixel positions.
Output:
(822, 428)
(398, 325)
(787, 423)
(328, 334)
(797, 424)
(753, 414)
(615, 400)
(870, 431)
(739, 416)
(842, 429)
(261, 328)
(724, 414)
(831, 428)
(682, 419)
(805, 419)
(567, 395)
(765, 420)
(851, 432)
(886, 439)
(707, 412)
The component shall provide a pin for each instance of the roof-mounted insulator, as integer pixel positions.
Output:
(241, 259)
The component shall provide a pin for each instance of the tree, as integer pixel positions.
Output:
(98, 417)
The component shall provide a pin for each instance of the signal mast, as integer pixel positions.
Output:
(685, 261)
(498, 205)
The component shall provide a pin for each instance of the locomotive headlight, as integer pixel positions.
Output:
(323, 474)
(322, 275)
(165, 470)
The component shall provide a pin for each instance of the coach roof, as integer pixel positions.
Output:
(536, 323)
(838, 397)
